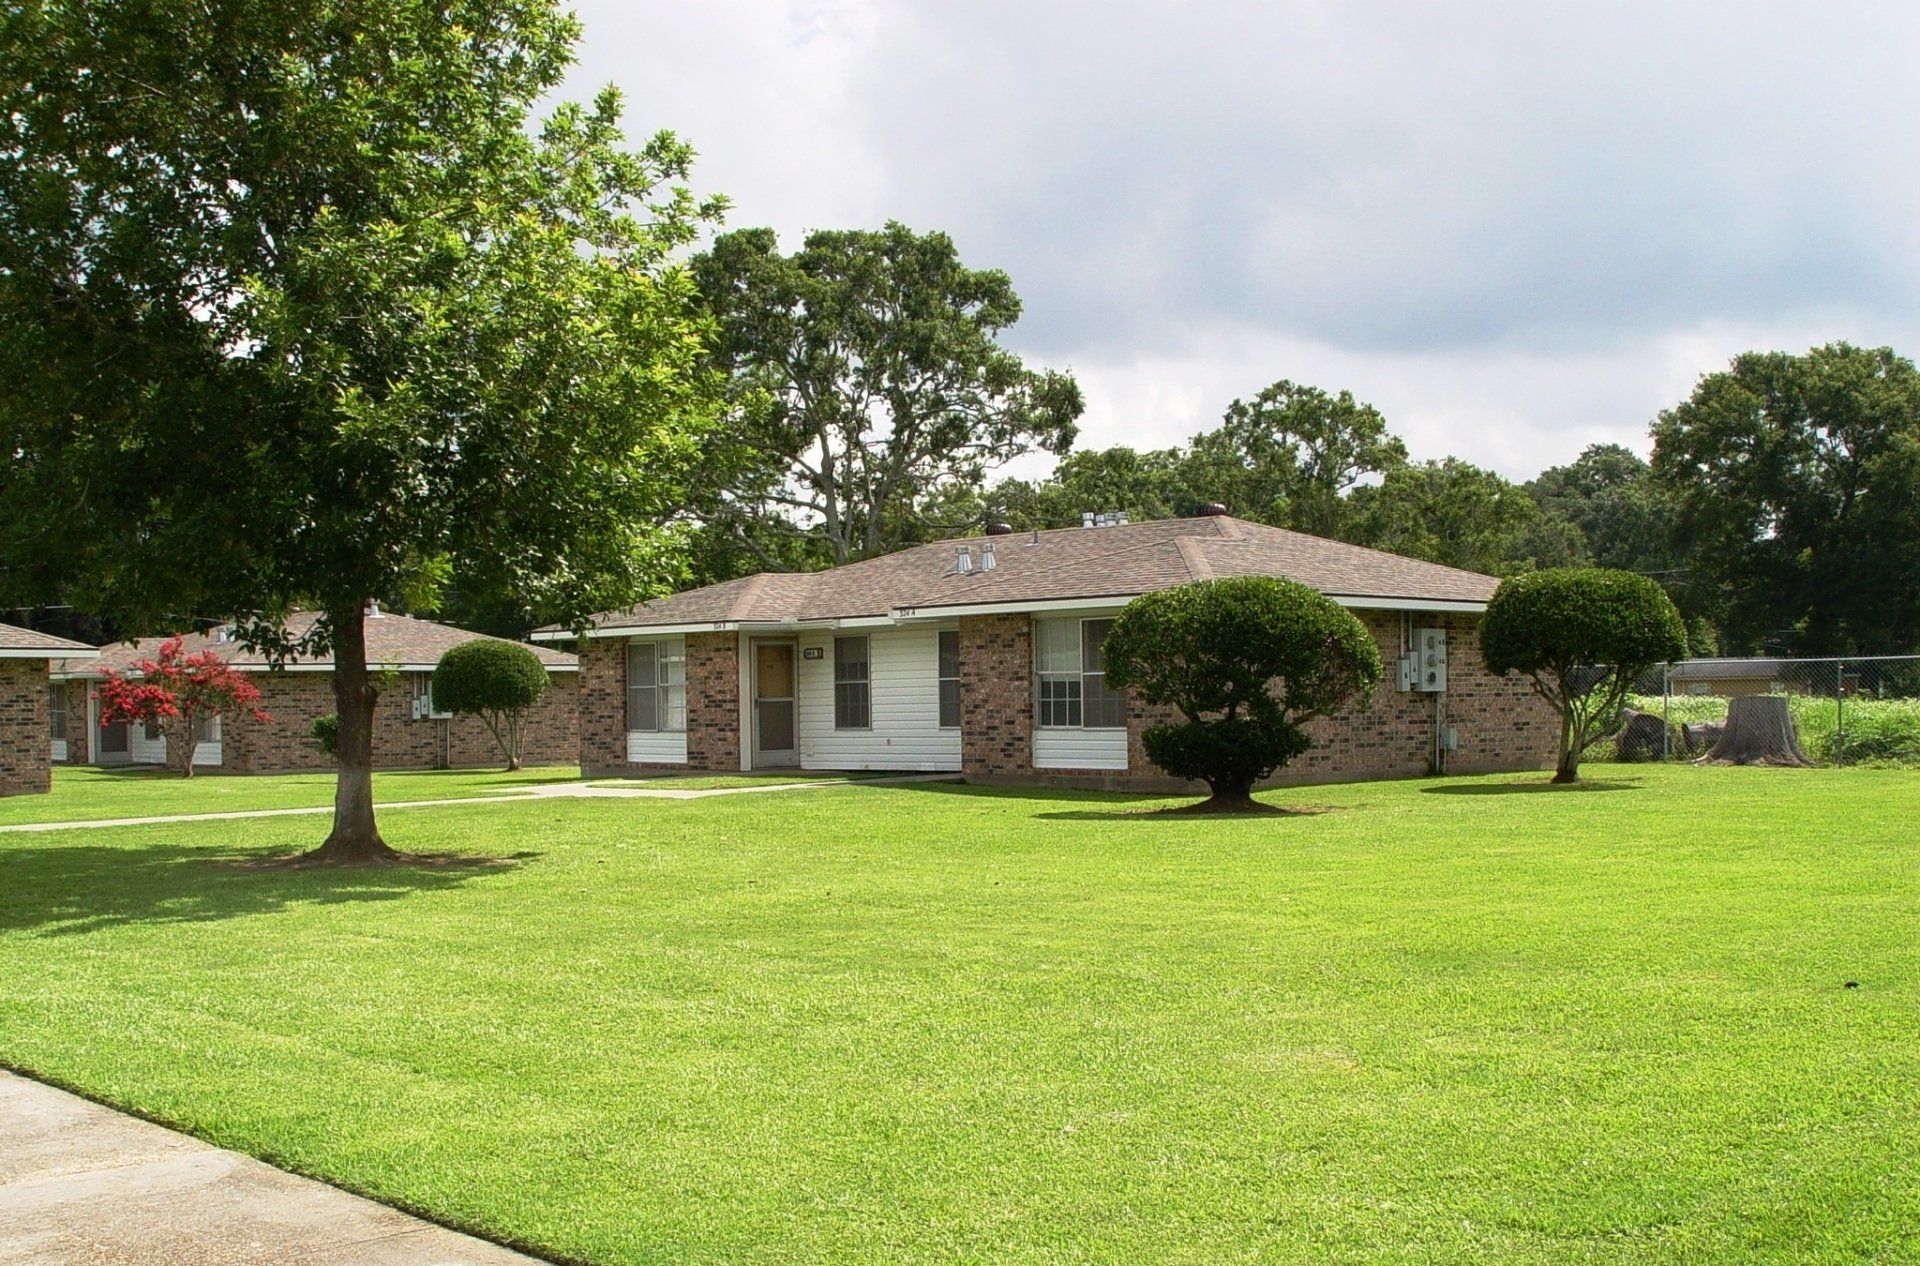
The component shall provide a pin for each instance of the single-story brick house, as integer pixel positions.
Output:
(981, 657)
(31, 705)
(407, 732)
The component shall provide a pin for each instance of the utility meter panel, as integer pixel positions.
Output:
(1430, 660)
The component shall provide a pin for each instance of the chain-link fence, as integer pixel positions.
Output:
(1856, 711)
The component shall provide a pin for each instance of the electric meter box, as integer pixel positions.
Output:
(1429, 660)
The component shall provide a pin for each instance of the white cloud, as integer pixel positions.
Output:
(1515, 227)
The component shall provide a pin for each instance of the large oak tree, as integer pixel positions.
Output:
(1796, 482)
(296, 307)
(867, 380)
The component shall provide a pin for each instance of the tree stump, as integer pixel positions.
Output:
(1642, 736)
(1759, 731)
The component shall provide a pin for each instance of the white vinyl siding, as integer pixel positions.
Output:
(657, 747)
(144, 748)
(59, 750)
(1079, 749)
(903, 681)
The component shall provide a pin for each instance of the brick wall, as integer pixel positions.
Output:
(996, 697)
(1503, 724)
(25, 735)
(713, 702)
(294, 699)
(603, 705)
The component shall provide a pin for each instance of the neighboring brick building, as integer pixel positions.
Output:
(981, 657)
(407, 732)
(32, 712)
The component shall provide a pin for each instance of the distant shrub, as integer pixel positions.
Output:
(496, 681)
(325, 733)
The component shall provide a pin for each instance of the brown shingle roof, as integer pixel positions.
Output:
(1121, 561)
(19, 643)
(397, 640)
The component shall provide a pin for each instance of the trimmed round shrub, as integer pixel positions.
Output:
(1582, 636)
(494, 680)
(1247, 662)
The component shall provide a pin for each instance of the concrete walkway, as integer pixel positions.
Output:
(83, 1185)
(540, 791)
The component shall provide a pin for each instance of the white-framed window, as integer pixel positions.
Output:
(949, 671)
(1070, 677)
(657, 686)
(57, 710)
(852, 684)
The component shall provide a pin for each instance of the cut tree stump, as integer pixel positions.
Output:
(1759, 731)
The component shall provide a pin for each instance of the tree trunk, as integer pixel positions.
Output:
(355, 839)
(1229, 796)
(1759, 731)
(1567, 768)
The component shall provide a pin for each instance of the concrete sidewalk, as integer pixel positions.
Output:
(83, 1185)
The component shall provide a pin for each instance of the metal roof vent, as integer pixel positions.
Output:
(1211, 510)
(963, 566)
(1109, 518)
(997, 528)
(987, 562)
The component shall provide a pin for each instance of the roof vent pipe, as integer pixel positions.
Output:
(986, 556)
(964, 565)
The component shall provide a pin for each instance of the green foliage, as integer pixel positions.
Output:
(1290, 455)
(1796, 482)
(299, 303)
(1455, 513)
(1247, 661)
(1142, 485)
(487, 675)
(866, 377)
(1608, 492)
(325, 733)
(1581, 635)
(496, 681)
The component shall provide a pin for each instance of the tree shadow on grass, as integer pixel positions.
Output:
(1532, 788)
(75, 889)
(1191, 813)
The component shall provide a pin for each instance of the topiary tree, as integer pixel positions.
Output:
(495, 681)
(1581, 635)
(1247, 662)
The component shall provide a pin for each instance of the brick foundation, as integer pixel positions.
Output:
(25, 728)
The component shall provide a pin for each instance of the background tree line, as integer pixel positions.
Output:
(870, 406)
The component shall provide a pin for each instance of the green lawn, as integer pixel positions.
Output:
(1467, 1020)
(81, 792)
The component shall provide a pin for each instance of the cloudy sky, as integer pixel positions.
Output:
(1516, 228)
